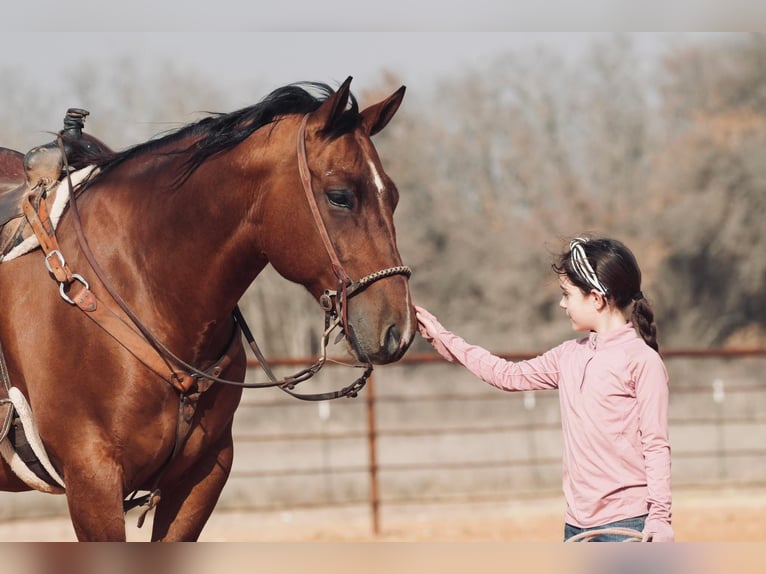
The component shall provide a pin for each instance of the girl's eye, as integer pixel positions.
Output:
(342, 198)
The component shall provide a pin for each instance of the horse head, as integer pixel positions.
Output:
(354, 202)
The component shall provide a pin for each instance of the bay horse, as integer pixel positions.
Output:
(165, 237)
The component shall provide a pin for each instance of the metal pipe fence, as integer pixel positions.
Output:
(418, 434)
(426, 436)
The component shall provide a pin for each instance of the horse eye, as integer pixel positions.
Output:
(341, 198)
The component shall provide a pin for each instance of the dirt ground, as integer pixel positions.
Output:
(698, 516)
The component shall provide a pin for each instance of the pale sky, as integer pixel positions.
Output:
(382, 16)
(278, 58)
(232, 41)
(235, 61)
(242, 43)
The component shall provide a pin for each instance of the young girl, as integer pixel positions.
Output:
(613, 392)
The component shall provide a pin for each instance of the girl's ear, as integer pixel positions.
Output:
(599, 301)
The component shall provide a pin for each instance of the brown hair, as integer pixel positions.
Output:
(617, 270)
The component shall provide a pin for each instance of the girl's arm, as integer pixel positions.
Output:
(538, 373)
(652, 395)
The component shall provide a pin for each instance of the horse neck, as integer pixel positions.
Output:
(188, 250)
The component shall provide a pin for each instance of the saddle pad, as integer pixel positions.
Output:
(56, 210)
(19, 466)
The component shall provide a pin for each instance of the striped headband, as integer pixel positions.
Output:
(582, 266)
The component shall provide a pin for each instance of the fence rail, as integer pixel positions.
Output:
(426, 433)
(713, 457)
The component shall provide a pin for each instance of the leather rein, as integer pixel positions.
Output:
(147, 348)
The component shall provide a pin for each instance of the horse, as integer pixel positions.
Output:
(162, 239)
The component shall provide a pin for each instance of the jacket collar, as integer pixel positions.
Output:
(624, 334)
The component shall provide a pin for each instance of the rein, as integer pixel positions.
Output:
(333, 302)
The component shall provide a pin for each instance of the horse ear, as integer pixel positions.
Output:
(334, 106)
(378, 115)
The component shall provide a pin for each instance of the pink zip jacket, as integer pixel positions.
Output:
(613, 393)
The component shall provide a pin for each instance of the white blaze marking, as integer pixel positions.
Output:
(378, 182)
(376, 177)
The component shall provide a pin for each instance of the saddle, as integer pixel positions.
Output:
(37, 174)
(34, 177)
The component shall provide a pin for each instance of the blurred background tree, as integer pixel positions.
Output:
(500, 164)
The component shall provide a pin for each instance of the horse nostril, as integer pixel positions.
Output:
(393, 340)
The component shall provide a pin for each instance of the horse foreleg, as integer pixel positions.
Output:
(94, 496)
(187, 503)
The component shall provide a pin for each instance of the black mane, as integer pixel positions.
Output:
(219, 132)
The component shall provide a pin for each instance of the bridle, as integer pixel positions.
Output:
(333, 302)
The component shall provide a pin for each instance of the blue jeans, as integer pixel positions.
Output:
(636, 523)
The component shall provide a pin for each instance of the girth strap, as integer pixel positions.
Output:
(6, 406)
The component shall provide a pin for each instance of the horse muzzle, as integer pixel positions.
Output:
(388, 348)
(376, 330)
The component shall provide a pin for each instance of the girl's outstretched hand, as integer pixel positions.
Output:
(433, 332)
(428, 325)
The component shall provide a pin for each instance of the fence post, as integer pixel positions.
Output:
(719, 394)
(373, 455)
